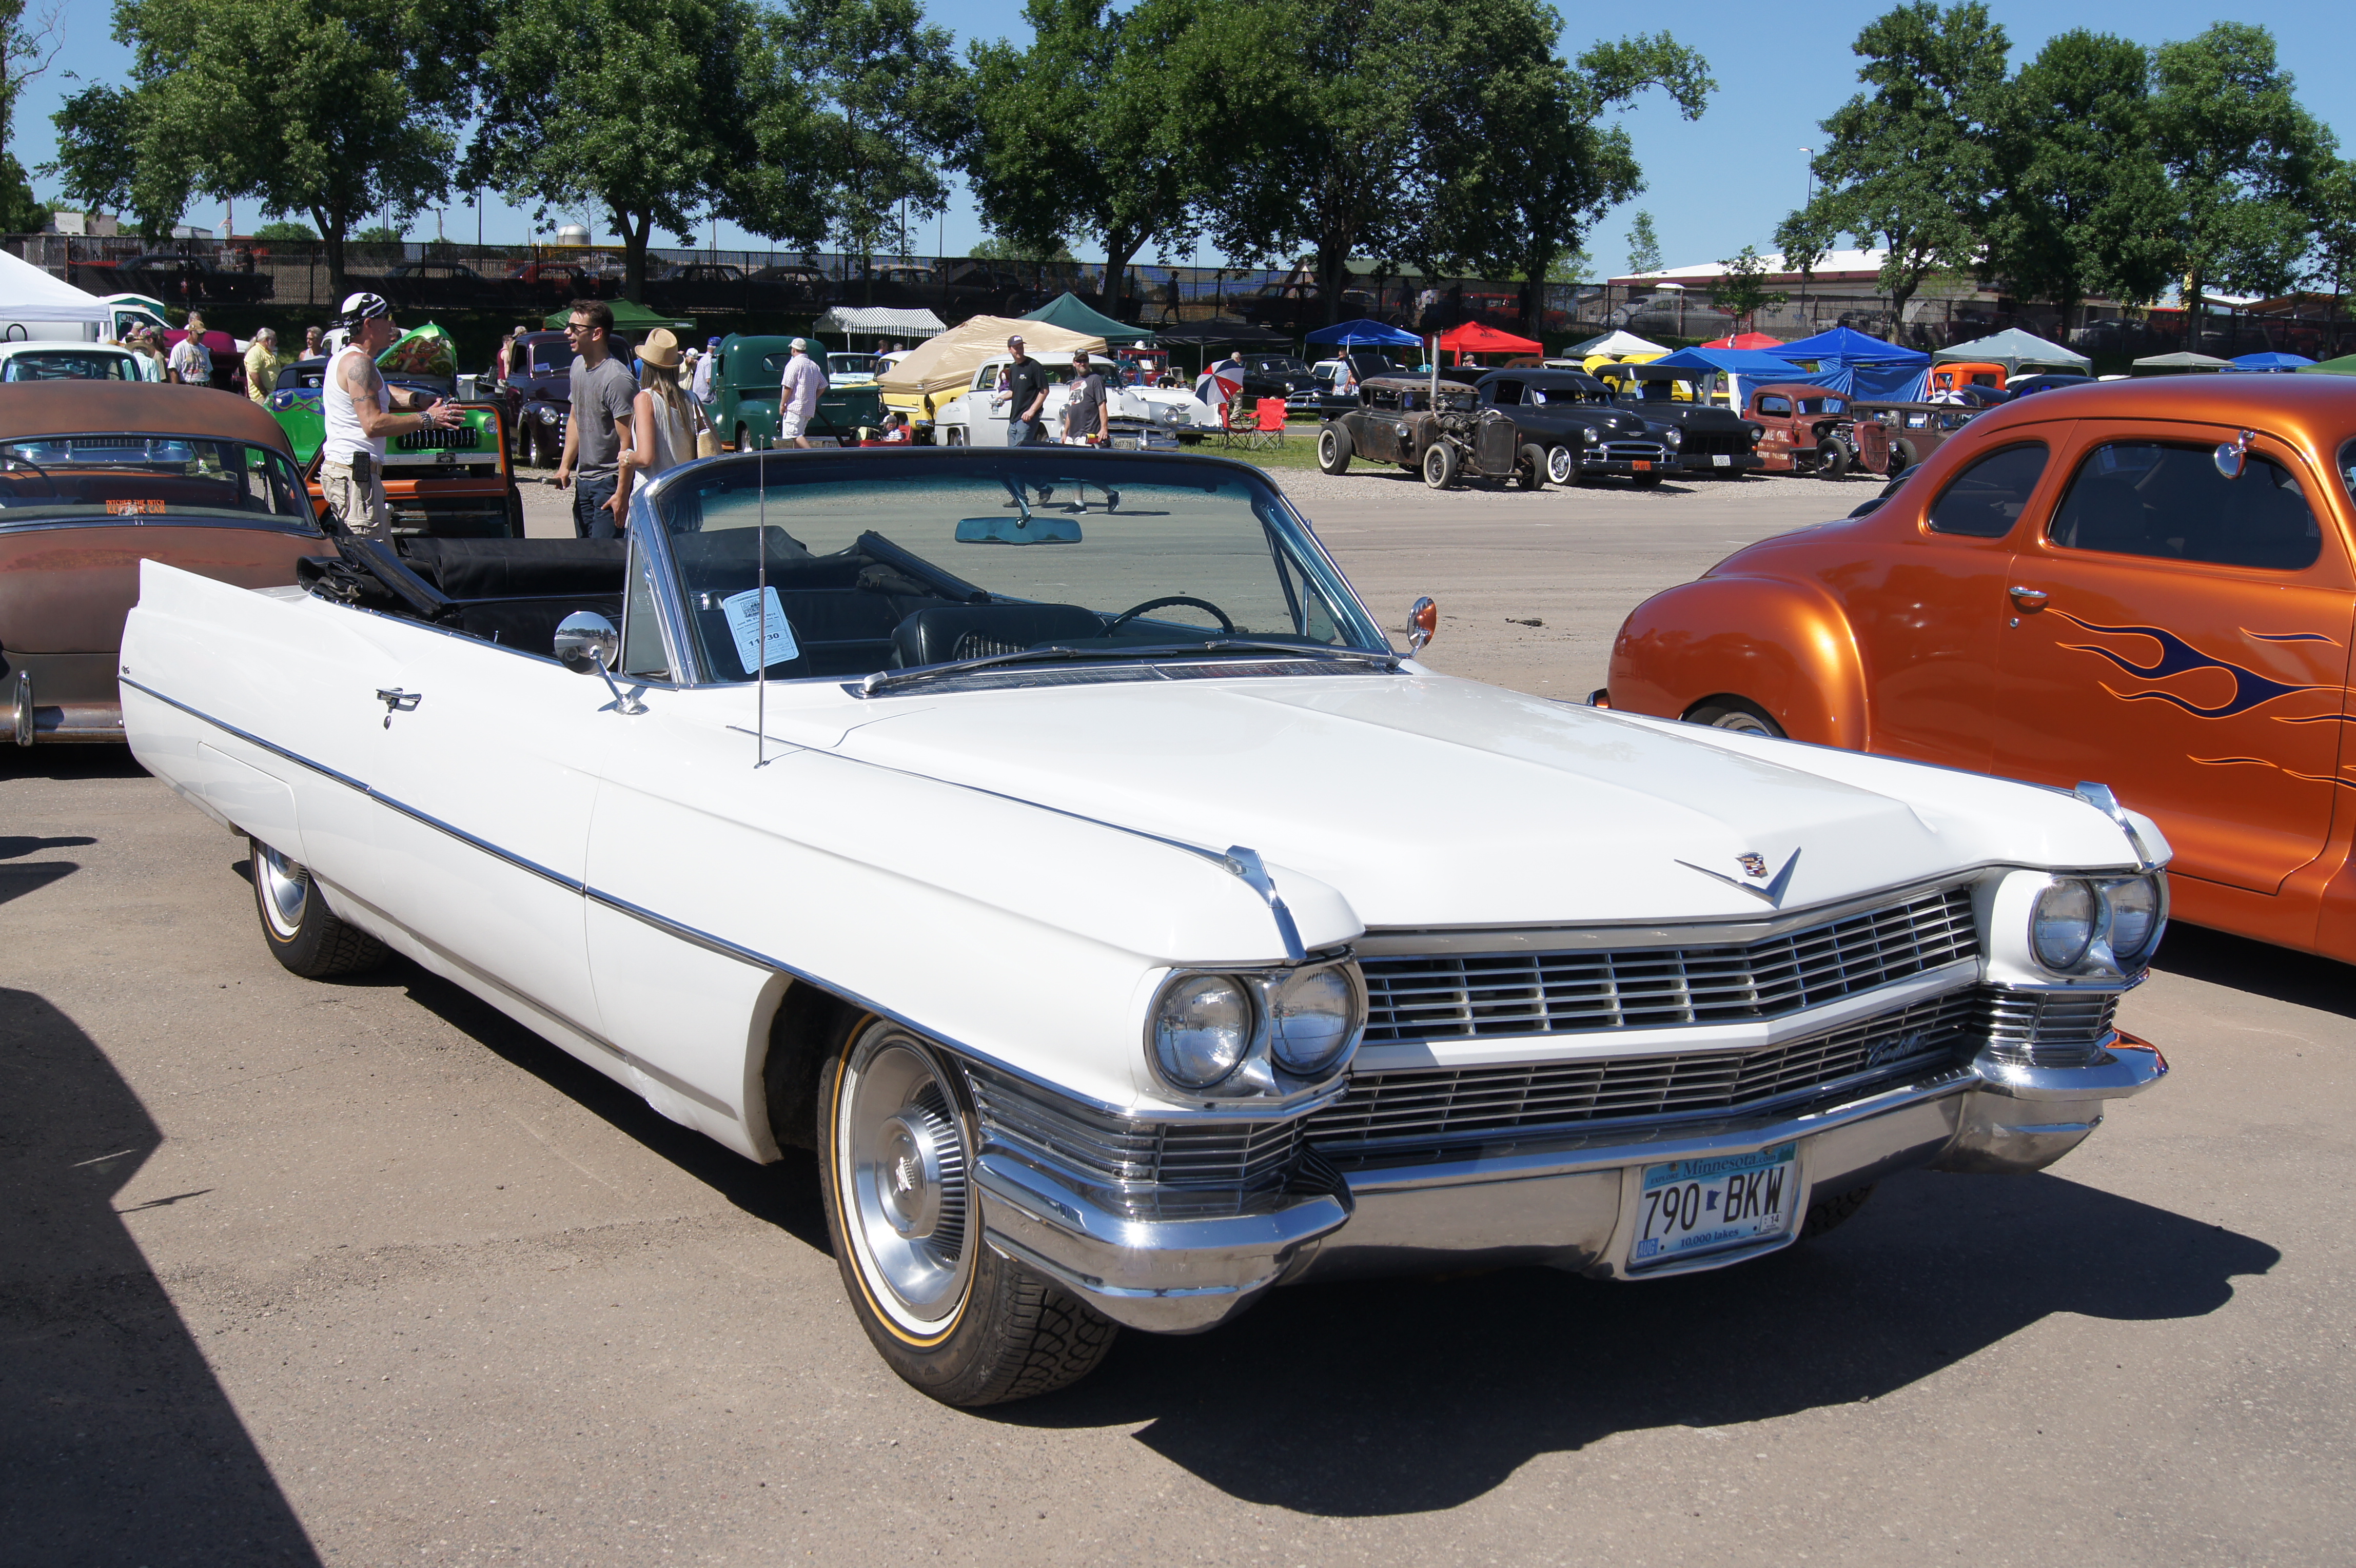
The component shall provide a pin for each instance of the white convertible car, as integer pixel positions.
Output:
(1053, 842)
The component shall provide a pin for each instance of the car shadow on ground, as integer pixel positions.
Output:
(117, 1445)
(1414, 1395)
(2302, 979)
(75, 761)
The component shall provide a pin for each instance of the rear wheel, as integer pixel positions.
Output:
(1738, 713)
(1333, 449)
(1530, 472)
(1561, 465)
(1440, 464)
(948, 1313)
(301, 933)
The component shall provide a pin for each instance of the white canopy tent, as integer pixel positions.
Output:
(1615, 342)
(877, 321)
(35, 305)
(2014, 349)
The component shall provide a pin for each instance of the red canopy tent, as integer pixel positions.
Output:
(1473, 337)
(1747, 340)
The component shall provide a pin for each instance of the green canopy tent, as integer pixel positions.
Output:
(2343, 366)
(1068, 311)
(630, 317)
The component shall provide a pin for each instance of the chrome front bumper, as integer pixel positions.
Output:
(1565, 1199)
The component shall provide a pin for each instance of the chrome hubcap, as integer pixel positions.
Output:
(1559, 465)
(904, 1179)
(1746, 723)
(285, 889)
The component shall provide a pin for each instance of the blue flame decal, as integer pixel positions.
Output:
(2178, 657)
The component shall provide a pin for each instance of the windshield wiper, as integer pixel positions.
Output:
(884, 680)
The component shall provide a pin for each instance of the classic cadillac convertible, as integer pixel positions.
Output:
(1053, 844)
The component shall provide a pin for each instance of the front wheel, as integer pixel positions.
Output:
(301, 933)
(1530, 472)
(1440, 464)
(1832, 459)
(1333, 449)
(949, 1313)
(1561, 465)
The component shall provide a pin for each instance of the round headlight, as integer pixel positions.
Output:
(2136, 917)
(546, 415)
(1673, 436)
(1758, 434)
(2061, 924)
(1316, 1013)
(1201, 1029)
(1587, 433)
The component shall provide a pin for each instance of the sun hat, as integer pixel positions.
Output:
(661, 348)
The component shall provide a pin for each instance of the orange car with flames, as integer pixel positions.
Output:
(2150, 584)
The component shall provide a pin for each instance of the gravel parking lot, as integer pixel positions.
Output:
(360, 1272)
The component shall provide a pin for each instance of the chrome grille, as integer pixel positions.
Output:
(1435, 1105)
(1213, 1157)
(2043, 1029)
(1641, 988)
(1636, 452)
(465, 438)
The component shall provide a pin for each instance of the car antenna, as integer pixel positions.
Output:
(761, 597)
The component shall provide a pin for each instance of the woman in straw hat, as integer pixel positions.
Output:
(664, 421)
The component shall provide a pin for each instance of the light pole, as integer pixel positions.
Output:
(1811, 153)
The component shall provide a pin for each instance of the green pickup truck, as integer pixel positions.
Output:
(743, 406)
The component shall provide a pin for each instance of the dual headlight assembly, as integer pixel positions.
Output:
(1250, 1034)
(2101, 922)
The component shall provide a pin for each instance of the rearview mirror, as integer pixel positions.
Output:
(1034, 530)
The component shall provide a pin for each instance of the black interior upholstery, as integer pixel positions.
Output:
(507, 568)
(973, 631)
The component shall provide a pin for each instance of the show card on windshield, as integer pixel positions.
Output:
(743, 613)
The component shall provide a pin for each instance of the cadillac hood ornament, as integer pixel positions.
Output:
(1753, 864)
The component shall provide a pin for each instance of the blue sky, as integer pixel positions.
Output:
(1716, 185)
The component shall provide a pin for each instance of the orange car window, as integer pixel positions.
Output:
(1985, 499)
(2167, 499)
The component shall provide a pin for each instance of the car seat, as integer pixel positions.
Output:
(975, 631)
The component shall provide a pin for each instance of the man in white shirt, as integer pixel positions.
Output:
(192, 363)
(710, 359)
(798, 396)
(357, 408)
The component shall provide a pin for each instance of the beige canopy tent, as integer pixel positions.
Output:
(948, 361)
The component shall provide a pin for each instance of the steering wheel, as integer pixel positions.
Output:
(17, 461)
(1127, 616)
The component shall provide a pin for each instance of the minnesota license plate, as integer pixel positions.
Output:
(1720, 460)
(1640, 465)
(1692, 1207)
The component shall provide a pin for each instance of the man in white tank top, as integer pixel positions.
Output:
(357, 409)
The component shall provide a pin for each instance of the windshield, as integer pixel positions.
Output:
(550, 358)
(1569, 395)
(1822, 405)
(876, 566)
(70, 365)
(164, 477)
(849, 364)
(1278, 366)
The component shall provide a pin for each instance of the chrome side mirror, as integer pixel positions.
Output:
(1422, 622)
(586, 641)
(2233, 455)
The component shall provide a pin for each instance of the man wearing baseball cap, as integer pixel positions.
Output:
(1025, 390)
(702, 385)
(798, 396)
(357, 409)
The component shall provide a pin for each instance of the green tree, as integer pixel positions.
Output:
(891, 105)
(1098, 126)
(377, 234)
(1743, 292)
(357, 111)
(2243, 158)
(25, 51)
(284, 230)
(1516, 171)
(2082, 200)
(1643, 244)
(2335, 229)
(1905, 164)
(650, 109)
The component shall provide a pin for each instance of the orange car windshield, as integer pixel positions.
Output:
(152, 479)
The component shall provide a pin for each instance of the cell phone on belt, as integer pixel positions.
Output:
(363, 467)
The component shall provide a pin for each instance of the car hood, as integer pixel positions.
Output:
(1426, 800)
(1691, 416)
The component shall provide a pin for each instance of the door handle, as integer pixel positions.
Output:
(2030, 598)
(397, 701)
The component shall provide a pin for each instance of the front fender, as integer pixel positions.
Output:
(1785, 645)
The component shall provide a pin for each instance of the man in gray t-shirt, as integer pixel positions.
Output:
(603, 390)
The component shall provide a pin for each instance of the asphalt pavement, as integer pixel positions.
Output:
(361, 1272)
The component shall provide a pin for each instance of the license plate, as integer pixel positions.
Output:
(1720, 460)
(446, 456)
(1692, 1207)
(1640, 465)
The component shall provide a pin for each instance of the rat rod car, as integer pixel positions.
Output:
(98, 475)
(1910, 432)
(2153, 576)
(1437, 429)
(1808, 430)
(1585, 434)
(995, 824)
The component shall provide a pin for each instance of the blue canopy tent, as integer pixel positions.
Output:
(1873, 368)
(2271, 362)
(1756, 366)
(1362, 333)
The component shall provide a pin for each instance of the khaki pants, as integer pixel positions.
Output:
(360, 507)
